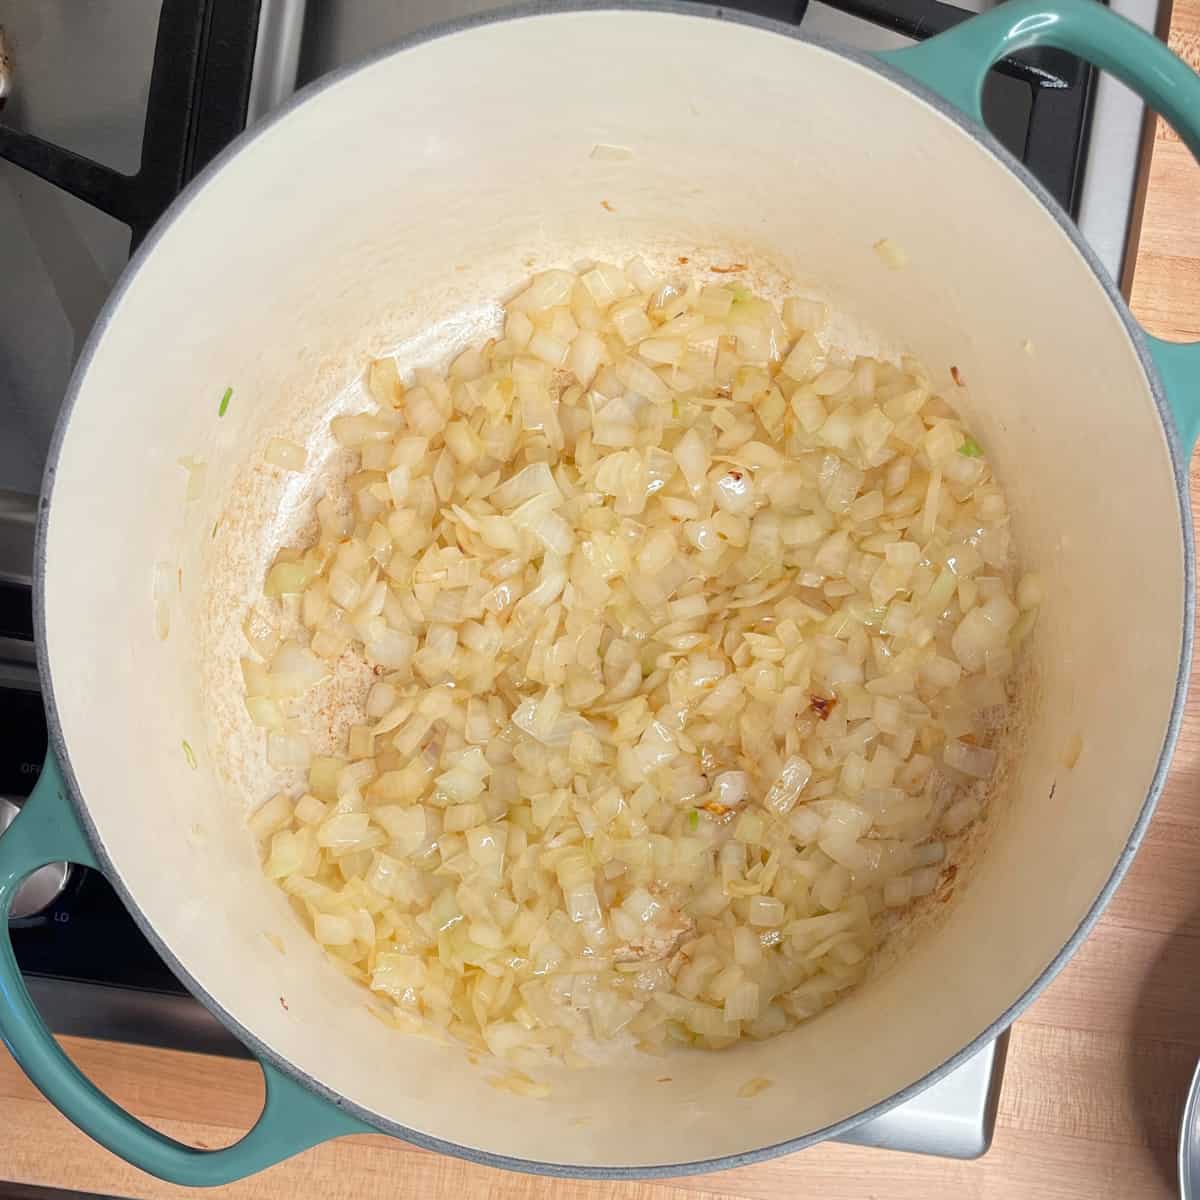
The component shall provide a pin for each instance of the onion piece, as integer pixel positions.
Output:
(785, 791)
(975, 761)
(295, 669)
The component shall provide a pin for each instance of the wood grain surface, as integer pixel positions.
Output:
(1097, 1070)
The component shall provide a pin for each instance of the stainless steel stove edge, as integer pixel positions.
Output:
(954, 1118)
(276, 56)
(18, 519)
(168, 1020)
(1107, 199)
(172, 1021)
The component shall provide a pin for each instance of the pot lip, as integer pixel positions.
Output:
(986, 142)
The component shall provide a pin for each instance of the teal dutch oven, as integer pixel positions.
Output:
(394, 202)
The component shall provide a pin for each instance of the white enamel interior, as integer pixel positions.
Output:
(431, 182)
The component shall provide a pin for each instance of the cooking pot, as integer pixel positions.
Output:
(391, 205)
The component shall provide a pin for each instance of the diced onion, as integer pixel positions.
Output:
(786, 789)
(269, 818)
(732, 788)
(668, 647)
(295, 669)
(970, 760)
(765, 911)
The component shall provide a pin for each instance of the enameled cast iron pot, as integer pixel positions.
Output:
(396, 197)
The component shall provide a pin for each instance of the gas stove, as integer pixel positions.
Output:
(106, 111)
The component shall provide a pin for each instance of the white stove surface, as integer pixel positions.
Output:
(80, 79)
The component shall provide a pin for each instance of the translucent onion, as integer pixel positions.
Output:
(295, 669)
(976, 761)
(672, 643)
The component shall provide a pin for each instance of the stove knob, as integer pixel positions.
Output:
(44, 886)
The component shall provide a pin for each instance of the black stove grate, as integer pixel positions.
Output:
(199, 90)
(1062, 86)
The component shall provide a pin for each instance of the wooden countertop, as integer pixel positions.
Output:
(1097, 1069)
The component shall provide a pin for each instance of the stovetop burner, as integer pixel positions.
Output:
(91, 152)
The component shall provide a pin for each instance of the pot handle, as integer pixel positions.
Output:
(954, 65)
(293, 1118)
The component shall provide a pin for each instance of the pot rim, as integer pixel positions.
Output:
(986, 142)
